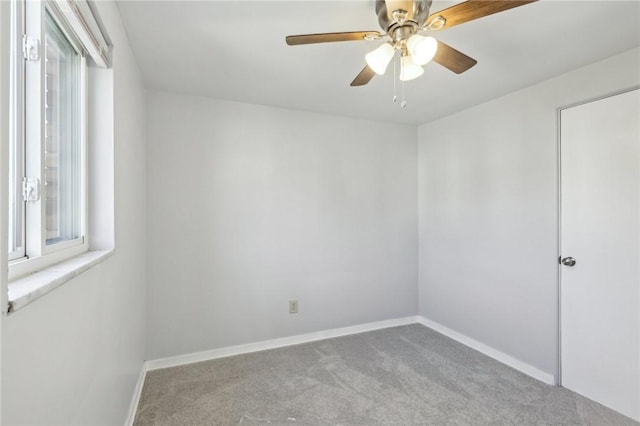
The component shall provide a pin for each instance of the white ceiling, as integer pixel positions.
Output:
(235, 50)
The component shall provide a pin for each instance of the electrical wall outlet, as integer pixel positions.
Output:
(293, 306)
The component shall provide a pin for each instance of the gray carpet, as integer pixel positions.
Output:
(401, 375)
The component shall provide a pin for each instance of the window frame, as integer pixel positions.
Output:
(37, 254)
(16, 149)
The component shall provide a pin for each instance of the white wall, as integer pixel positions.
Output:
(73, 356)
(252, 206)
(488, 212)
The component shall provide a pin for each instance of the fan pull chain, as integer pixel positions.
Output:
(395, 97)
(403, 104)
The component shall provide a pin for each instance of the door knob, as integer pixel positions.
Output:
(568, 261)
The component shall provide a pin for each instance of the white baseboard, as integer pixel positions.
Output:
(275, 343)
(327, 334)
(489, 351)
(136, 396)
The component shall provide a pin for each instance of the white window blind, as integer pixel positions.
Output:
(79, 17)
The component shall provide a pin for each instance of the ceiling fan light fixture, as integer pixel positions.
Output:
(409, 69)
(400, 20)
(379, 59)
(422, 49)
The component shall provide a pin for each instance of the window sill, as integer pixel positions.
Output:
(25, 290)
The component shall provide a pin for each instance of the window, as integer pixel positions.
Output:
(53, 41)
(62, 137)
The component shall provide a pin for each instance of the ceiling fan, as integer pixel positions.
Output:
(402, 21)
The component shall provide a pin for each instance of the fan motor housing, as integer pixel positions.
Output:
(417, 12)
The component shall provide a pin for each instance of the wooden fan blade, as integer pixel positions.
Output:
(474, 9)
(364, 77)
(453, 59)
(295, 40)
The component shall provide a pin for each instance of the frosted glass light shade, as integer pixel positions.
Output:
(379, 59)
(423, 49)
(410, 69)
(393, 5)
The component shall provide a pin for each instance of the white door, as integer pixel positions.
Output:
(600, 230)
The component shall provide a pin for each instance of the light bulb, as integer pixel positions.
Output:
(409, 69)
(423, 49)
(379, 59)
